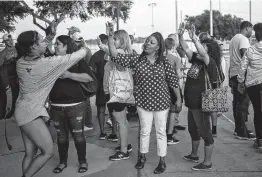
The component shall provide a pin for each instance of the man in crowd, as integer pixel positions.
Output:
(237, 48)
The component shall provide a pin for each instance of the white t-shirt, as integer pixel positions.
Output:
(239, 41)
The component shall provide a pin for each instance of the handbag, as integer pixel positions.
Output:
(214, 100)
(89, 88)
(121, 86)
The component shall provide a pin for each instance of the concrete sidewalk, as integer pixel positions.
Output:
(231, 157)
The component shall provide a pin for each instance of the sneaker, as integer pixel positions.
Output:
(171, 140)
(250, 132)
(179, 127)
(190, 158)
(112, 137)
(88, 128)
(129, 148)
(102, 136)
(214, 134)
(202, 166)
(241, 137)
(248, 137)
(109, 122)
(257, 144)
(251, 137)
(119, 156)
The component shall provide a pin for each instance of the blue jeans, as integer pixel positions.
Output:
(70, 119)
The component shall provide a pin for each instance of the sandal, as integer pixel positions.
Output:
(82, 169)
(58, 169)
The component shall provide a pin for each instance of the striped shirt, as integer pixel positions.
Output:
(251, 66)
(36, 79)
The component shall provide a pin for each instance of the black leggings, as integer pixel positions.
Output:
(255, 95)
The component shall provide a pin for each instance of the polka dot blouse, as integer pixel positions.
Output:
(152, 81)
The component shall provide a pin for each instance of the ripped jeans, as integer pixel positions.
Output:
(70, 118)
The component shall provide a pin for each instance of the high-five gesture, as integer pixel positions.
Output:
(109, 29)
(181, 30)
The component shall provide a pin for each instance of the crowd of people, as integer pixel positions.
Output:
(57, 84)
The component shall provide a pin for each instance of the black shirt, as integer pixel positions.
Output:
(67, 91)
(195, 82)
(98, 62)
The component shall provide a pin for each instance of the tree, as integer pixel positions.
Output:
(56, 11)
(9, 12)
(225, 26)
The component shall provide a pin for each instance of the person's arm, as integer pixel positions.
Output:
(173, 82)
(243, 46)
(182, 42)
(178, 67)
(186, 49)
(80, 77)
(59, 64)
(200, 49)
(88, 56)
(243, 68)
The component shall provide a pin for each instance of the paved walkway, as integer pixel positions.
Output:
(231, 157)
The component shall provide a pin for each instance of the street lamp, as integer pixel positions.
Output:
(152, 5)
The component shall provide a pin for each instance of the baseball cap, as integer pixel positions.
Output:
(74, 29)
(76, 36)
(6, 37)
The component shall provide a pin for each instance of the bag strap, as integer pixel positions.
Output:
(207, 79)
(6, 136)
(219, 82)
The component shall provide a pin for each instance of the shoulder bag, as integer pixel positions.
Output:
(214, 100)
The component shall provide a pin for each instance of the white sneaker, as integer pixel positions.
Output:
(109, 122)
(88, 128)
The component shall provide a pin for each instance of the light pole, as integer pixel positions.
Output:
(152, 5)
(211, 19)
(250, 11)
(176, 16)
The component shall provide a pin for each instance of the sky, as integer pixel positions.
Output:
(164, 17)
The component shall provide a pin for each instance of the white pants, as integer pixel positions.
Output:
(146, 120)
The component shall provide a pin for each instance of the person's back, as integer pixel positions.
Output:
(175, 61)
(254, 70)
(239, 41)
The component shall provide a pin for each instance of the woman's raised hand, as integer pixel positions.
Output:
(192, 32)
(109, 29)
(181, 29)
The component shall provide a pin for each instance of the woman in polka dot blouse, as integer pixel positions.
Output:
(153, 74)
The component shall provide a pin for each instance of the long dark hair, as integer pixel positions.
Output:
(67, 40)
(161, 43)
(25, 41)
(213, 50)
